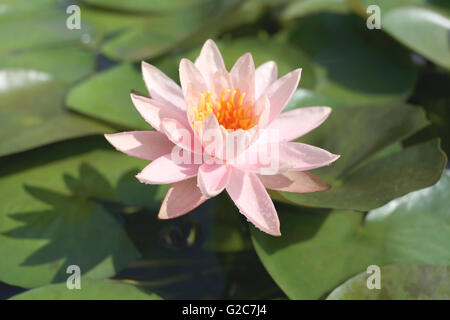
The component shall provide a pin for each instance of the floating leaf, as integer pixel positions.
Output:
(56, 213)
(306, 98)
(47, 26)
(352, 64)
(68, 64)
(162, 33)
(105, 24)
(158, 6)
(297, 9)
(399, 282)
(32, 113)
(359, 181)
(106, 96)
(432, 94)
(36, 73)
(422, 25)
(90, 290)
(320, 249)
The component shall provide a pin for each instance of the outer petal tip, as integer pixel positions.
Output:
(298, 73)
(210, 43)
(336, 156)
(141, 179)
(146, 67)
(273, 232)
(183, 62)
(248, 56)
(181, 198)
(327, 110)
(162, 215)
(109, 137)
(333, 158)
(133, 95)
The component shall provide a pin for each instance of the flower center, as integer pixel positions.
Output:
(230, 110)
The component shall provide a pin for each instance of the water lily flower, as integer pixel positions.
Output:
(230, 126)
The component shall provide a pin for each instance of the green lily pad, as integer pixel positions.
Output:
(55, 205)
(57, 212)
(48, 25)
(352, 64)
(15, 6)
(108, 23)
(67, 64)
(423, 26)
(181, 29)
(142, 42)
(362, 179)
(432, 94)
(399, 282)
(106, 96)
(297, 9)
(90, 290)
(155, 6)
(320, 249)
(306, 98)
(36, 74)
(31, 108)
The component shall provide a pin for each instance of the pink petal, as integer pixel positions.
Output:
(212, 137)
(281, 91)
(221, 80)
(191, 79)
(153, 111)
(253, 201)
(238, 141)
(181, 135)
(270, 158)
(262, 109)
(210, 60)
(302, 157)
(212, 178)
(182, 197)
(162, 88)
(243, 76)
(265, 75)
(147, 145)
(296, 123)
(294, 181)
(164, 170)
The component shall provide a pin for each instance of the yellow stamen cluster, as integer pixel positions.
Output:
(230, 110)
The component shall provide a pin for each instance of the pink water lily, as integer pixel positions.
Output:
(215, 111)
